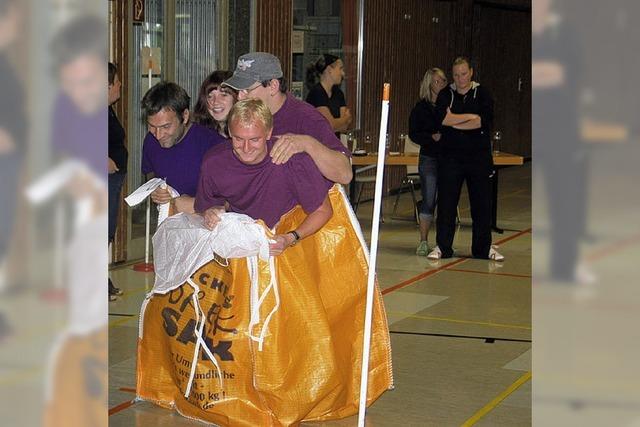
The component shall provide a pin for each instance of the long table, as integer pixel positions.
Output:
(411, 159)
(500, 160)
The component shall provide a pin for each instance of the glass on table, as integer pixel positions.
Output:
(496, 137)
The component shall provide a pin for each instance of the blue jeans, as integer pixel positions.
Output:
(428, 170)
(115, 186)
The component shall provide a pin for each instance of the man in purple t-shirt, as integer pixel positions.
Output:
(297, 126)
(174, 147)
(242, 176)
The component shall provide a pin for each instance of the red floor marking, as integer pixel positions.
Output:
(446, 266)
(518, 234)
(612, 248)
(520, 276)
(121, 407)
(128, 389)
(422, 276)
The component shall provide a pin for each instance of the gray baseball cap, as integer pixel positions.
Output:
(254, 67)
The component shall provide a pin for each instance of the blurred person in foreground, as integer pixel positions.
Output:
(424, 130)
(465, 111)
(558, 150)
(324, 77)
(13, 130)
(297, 126)
(117, 163)
(76, 383)
(215, 102)
(174, 146)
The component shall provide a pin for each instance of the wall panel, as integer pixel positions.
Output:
(273, 30)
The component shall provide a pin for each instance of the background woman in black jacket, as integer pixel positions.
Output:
(424, 130)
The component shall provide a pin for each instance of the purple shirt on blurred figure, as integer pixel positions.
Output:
(79, 135)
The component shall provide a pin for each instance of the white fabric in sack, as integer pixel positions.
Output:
(182, 245)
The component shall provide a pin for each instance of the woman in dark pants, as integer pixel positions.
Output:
(466, 113)
(424, 130)
(117, 163)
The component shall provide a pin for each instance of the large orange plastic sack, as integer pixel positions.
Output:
(308, 367)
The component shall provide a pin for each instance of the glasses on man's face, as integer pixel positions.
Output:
(246, 92)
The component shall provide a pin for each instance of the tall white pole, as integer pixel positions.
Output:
(148, 223)
(375, 227)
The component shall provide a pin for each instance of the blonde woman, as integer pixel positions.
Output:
(424, 130)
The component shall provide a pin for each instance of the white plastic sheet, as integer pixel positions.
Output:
(182, 244)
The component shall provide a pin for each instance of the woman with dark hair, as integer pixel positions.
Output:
(323, 81)
(215, 102)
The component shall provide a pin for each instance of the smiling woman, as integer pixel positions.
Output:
(215, 102)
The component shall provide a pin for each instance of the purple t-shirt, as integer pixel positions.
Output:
(299, 117)
(263, 191)
(180, 164)
(80, 135)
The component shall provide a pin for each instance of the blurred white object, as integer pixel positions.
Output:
(57, 178)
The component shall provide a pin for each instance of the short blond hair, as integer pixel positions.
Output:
(425, 86)
(461, 60)
(250, 111)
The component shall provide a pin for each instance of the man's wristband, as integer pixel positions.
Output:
(295, 235)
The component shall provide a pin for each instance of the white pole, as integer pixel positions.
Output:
(148, 224)
(375, 226)
(59, 232)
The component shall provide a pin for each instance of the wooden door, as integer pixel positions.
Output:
(501, 52)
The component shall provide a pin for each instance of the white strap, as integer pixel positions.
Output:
(199, 327)
(256, 303)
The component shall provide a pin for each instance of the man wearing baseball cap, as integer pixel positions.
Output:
(297, 126)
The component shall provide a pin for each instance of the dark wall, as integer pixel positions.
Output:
(403, 38)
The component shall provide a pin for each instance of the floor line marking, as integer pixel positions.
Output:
(461, 270)
(613, 247)
(469, 337)
(496, 401)
(468, 322)
(513, 236)
(446, 266)
(121, 407)
(422, 276)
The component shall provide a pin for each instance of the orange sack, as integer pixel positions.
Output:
(308, 368)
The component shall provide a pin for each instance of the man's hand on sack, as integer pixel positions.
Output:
(283, 241)
(212, 216)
